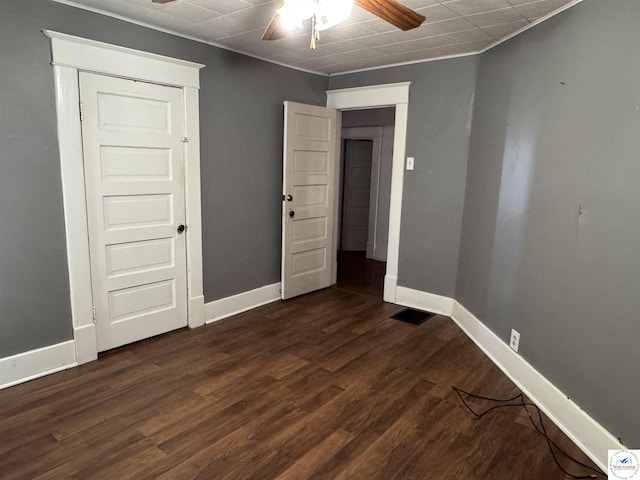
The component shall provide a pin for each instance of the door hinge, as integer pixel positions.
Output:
(93, 312)
(184, 139)
(81, 113)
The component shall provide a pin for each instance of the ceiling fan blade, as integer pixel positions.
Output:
(274, 30)
(162, 1)
(393, 12)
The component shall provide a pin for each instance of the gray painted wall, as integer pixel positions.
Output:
(241, 131)
(440, 105)
(550, 238)
(34, 286)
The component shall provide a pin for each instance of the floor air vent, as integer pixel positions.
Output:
(412, 316)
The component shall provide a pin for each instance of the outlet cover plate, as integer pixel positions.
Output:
(410, 163)
(514, 343)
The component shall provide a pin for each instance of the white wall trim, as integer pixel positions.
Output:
(235, 304)
(37, 363)
(592, 438)
(195, 282)
(424, 301)
(395, 206)
(75, 211)
(370, 96)
(86, 341)
(70, 56)
(98, 57)
(374, 96)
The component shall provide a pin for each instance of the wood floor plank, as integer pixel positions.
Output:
(317, 457)
(322, 386)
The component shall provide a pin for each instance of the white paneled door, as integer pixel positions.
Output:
(134, 173)
(311, 142)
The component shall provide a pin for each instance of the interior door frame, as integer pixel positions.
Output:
(377, 96)
(70, 55)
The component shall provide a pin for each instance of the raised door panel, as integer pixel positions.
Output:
(309, 179)
(134, 159)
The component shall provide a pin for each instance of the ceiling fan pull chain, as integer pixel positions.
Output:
(313, 32)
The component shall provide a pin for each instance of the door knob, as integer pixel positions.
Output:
(181, 228)
(292, 213)
(289, 198)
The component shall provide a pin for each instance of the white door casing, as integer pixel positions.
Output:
(134, 175)
(356, 221)
(374, 96)
(71, 55)
(309, 214)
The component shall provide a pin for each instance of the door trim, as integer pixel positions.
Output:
(375, 96)
(69, 56)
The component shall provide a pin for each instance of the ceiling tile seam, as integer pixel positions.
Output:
(522, 17)
(499, 24)
(223, 17)
(406, 42)
(527, 3)
(248, 6)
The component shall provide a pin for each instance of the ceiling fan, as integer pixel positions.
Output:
(327, 13)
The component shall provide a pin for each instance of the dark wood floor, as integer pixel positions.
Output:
(324, 386)
(357, 274)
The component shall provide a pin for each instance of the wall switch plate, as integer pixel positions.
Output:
(410, 161)
(514, 343)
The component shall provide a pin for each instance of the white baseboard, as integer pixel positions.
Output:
(86, 343)
(424, 301)
(37, 363)
(584, 431)
(592, 438)
(196, 312)
(390, 286)
(229, 306)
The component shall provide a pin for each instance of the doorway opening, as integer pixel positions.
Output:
(364, 199)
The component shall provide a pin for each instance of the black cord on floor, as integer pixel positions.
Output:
(541, 430)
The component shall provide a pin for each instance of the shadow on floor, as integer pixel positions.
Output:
(358, 274)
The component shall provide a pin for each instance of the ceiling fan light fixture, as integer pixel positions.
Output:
(326, 13)
(294, 12)
(331, 12)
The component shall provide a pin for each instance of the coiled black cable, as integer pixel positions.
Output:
(541, 430)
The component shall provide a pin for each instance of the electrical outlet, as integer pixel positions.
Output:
(410, 161)
(514, 343)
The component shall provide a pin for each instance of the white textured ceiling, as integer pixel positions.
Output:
(452, 27)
